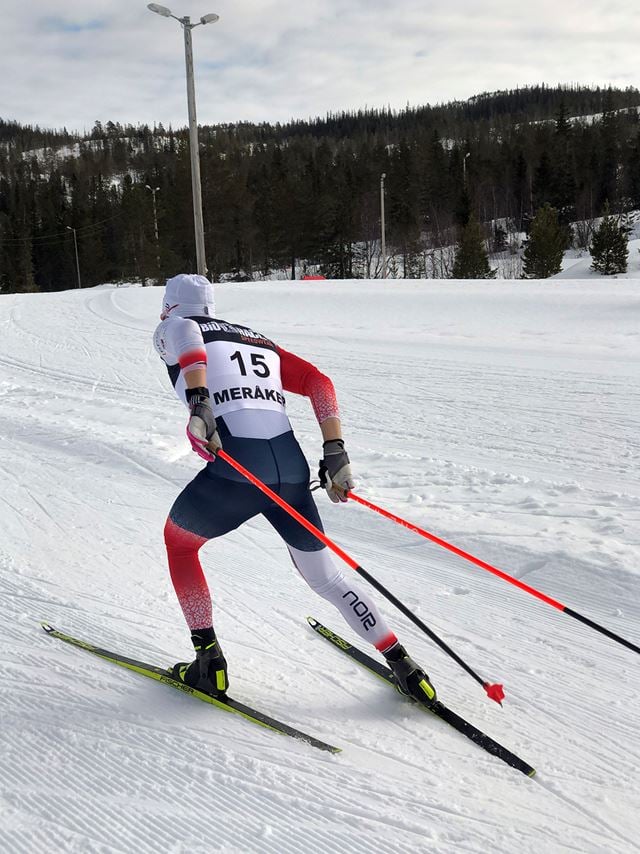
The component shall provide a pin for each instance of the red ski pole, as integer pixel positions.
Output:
(483, 565)
(494, 691)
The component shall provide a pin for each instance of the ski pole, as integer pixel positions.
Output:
(483, 565)
(494, 691)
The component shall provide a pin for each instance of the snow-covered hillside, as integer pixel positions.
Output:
(503, 416)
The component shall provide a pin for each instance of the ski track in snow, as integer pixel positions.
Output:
(501, 416)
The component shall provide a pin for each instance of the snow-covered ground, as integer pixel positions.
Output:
(503, 416)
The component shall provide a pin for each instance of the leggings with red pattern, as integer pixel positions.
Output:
(212, 505)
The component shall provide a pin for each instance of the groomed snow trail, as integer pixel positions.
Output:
(502, 416)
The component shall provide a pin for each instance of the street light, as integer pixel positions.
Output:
(382, 227)
(75, 243)
(196, 187)
(153, 191)
(160, 10)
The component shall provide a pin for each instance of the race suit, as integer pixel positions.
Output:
(247, 376)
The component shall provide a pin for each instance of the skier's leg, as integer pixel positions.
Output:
(360, 612)
(208, 507)
(355, 604)
(314, 563)
(187, 576)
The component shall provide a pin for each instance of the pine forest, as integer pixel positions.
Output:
(305, 197)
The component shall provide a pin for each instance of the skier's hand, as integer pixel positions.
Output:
(201, 429)
(335, 471)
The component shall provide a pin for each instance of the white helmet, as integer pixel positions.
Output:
(188, 295)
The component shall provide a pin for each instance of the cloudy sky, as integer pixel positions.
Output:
(71, 62)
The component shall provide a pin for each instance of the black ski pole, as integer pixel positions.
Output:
(494, 691)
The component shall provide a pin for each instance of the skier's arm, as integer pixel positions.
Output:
(179, 341)
(184, 339)
(187, 343)
(201, 427)
(331, 429)
(301, 377)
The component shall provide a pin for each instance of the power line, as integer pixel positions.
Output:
(53, 238)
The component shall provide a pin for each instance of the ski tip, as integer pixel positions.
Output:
(312, 622)
(532, 773)
(47, 628)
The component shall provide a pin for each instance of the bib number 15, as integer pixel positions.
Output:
(258, 364)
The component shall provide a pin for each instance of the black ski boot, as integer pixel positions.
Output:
(410, 678)
(208, 673)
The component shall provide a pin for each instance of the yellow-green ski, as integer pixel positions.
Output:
(162, 675)
(443, 712)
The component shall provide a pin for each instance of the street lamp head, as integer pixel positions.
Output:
(209, 19)
(159, 10)
(68, 227)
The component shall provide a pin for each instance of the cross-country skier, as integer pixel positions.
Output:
(232, 380)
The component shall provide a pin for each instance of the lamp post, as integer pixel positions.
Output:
(75, 243)
(382, 227)
(153, 191)
(464, 168)
(196, 187)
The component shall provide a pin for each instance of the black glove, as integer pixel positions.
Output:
(335, 471)
(201, 429)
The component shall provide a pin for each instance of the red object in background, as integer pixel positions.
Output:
(306, 278)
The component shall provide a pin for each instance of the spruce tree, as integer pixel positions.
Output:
(472, 261)
(609, 246)
(545, 245)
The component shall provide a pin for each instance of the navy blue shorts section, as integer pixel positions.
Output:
(274, 461)
(213, 504)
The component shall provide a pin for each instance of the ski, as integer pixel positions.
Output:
(162, 675)
(443, 712)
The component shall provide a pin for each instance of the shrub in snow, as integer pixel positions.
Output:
(610, 246)
(472, 261)
(545, 245)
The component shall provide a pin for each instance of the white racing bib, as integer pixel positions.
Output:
(243, 372)
(243, 376)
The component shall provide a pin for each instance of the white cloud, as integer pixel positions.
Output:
(277, 59)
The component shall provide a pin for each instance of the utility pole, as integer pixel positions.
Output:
(383, 240)
(153, 191)
(75, 243)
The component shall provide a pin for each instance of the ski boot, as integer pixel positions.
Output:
(410, 678)
(208, 673)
